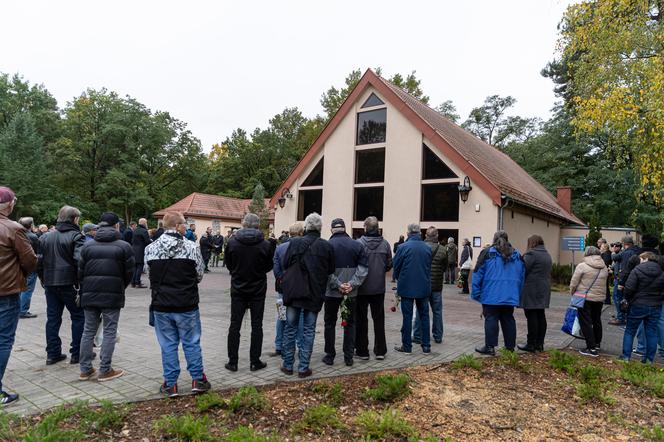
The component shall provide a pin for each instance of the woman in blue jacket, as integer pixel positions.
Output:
(497, 282)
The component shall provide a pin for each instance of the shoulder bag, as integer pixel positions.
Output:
(579, 298)
(295, 284)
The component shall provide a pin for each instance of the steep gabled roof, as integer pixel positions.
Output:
(211, 206)
(489, 168)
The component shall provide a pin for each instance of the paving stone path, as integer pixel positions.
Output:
(43, 387)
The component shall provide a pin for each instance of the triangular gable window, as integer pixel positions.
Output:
(373, 100)
(315, 178)
(433, 167)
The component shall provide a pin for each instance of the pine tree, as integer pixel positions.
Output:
(258, 207)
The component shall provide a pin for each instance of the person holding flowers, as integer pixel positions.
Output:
(351, 268)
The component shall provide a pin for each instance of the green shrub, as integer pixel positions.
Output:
(207, 401)
(512, 359)
(184, 428)
(333, 394)
(246, 434)
(106, 416)
(594, 391)
(467, 361)
(593, 373)
(644, 376)
(561, 274)
(655, 433)
(247, 398)
(9, 426)
(563, 361)
(387, 425)
(389, 388)
(318, 419)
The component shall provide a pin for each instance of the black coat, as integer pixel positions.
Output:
(105, 270)
(139, 242)
(248, 258)
(60, 252)
(320, 264)
(536, 292)
(645, 284)
(207, 245)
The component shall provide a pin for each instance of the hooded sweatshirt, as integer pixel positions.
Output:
(645, 285)
(584, 275)
(248, 257)
(379, 259)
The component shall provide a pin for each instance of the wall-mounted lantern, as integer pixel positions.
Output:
(284, 194)
(464, 189)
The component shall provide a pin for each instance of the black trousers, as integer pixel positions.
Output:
(503, 315)
(332, 306)
(256, 306)
(536, 320)
(590, 320)
(466, 275)
(377, 305)
(138, 271)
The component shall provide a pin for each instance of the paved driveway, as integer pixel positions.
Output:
(43, 387)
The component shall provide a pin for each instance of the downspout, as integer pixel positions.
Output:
(505, 200)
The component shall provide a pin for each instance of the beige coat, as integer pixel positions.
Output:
(583, 277)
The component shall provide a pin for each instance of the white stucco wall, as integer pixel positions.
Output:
(521, 226)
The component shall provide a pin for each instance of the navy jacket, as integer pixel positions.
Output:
(412, 268)
(350, 262)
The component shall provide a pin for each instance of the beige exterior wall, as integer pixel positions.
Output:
(203, 223)
(402, 187)
(521, 226)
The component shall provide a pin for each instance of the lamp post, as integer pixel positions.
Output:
(284, 194)
(464, 189)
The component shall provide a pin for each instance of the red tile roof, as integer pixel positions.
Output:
(489, 168)
(211, 206)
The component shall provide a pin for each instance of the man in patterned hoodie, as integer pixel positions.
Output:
(176, 268)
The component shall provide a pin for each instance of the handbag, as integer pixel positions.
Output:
(571, 324)
(579, 298)
(295, 280)
(467, 265)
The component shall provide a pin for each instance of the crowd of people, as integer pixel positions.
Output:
(88, 271)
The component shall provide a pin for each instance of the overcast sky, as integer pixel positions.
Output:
(220, 65)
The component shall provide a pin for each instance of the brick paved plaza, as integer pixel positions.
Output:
(43, 387)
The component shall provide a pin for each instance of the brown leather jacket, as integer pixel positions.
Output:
(17, 259)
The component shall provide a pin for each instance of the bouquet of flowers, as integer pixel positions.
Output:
(460, 280)
(345, 311)
(395, 303)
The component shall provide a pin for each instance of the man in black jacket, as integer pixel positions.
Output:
(248, 259)
(104, 271)
(30, 279)
(139, 242)
(58, 272)
(317, 259)
(206, 247)
(176, 268)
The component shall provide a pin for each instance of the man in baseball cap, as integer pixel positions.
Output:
(17, 258)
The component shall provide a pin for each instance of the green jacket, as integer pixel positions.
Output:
(438, 265)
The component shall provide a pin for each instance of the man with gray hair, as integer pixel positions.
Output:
(452, 260)
(351, 268)
(17, 259)
(58, 272)
(372, 292)
(308, 262)
(412, 270)
(31, 278)
(248, 259)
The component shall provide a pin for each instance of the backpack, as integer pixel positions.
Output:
(295, 284)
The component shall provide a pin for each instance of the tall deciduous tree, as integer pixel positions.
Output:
(448, 109)
(613, 55)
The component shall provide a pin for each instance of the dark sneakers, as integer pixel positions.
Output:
(328, 359)
(27, 315)
(287, 371)
(305, 374)
(258, 365)
(171, 391)
(527, 348)
(589, 352)
(55, 359)
(401, 349)
(7, 398)
(348, 362)
(231, 366)
(200, 385)
(486, 350)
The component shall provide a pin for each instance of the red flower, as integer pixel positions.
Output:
(393, 308)
(344, 323)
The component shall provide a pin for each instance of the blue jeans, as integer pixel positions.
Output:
(649, 316)
(617, 297)
(436, 302)
(171, 329)
(26, 296)
(295, 316)
(57, 298)
(660, 332)
(406, 327)
(9, 311)
(279, 339)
